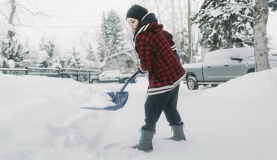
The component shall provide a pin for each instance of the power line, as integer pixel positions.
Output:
(63, 2)
(75, 16)
(60, 26)
(61, 17)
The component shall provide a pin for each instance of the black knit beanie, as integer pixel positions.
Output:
(136, 12)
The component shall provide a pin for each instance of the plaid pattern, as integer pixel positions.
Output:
(154, 47)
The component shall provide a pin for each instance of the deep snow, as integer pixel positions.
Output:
(40, 119)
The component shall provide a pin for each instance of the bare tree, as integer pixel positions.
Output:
(189, 34)
(132, 52)
(158, 11)
(16, 12)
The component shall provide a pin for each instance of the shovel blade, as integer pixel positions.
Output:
(119, 98)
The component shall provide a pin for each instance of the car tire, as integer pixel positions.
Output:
(192, 83)
(214, 85)
(94, 81)
(125, 80)
(251, 70)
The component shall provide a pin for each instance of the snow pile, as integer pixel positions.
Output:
(100, 100)
(249, 84)
(40, 118)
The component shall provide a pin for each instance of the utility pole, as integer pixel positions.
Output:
(189, 35)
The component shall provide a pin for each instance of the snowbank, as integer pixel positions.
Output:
(40, 118)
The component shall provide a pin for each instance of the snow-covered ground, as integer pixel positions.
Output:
(40, 119)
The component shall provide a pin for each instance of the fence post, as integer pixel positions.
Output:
(88, 76)
(26, 70)
(58, 72)
(77, 75)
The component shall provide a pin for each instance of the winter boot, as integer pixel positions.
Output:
(145, 142)
(178, 133)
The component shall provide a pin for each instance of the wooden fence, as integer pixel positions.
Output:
(76, 74)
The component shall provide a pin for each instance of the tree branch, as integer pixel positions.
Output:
(4, 14)
(32, 13)
(245, 5)
(272, 2)
(252, 18)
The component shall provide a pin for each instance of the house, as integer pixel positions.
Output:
(128, 60)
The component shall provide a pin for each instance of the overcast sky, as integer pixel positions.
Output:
(70, 17)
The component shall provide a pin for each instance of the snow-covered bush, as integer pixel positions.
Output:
(69, 61)
(10, 46)
(49, 46)
(43, 60)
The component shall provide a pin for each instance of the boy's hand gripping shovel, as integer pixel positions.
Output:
(119, 98)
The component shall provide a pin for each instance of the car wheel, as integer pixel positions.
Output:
(125, 80)
(251, 70)
(214, 85)
(192, 83)
(94, 81)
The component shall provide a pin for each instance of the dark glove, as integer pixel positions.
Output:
(177, 55)
(141, 71)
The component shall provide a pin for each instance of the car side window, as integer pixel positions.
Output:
(232, 54)
(218, 55)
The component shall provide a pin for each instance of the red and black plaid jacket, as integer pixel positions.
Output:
(154, 47)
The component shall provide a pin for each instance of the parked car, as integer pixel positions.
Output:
(221, 66)
(112, 76)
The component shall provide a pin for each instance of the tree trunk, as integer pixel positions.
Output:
(260, 39)
(189, 35)
(180, 28)
(13, 8)
(229, 36)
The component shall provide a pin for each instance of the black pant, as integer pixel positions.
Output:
(154, 106)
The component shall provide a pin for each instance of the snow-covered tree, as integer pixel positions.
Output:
(49, 47)
(78, 60)
(43, 60)
(182, 45)
(257, 12)
(74, 60)
(111, 40)
(223, 25)
(90, 54)
(11, 48)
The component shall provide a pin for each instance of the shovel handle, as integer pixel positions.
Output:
(129, 80)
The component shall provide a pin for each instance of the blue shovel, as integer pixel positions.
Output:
(119, 98)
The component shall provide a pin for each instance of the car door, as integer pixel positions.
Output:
(103, 77)
(114, 76)
(109, 76)
(213, 67)
(234, 65)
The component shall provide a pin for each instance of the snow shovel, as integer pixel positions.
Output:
(119, 98)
